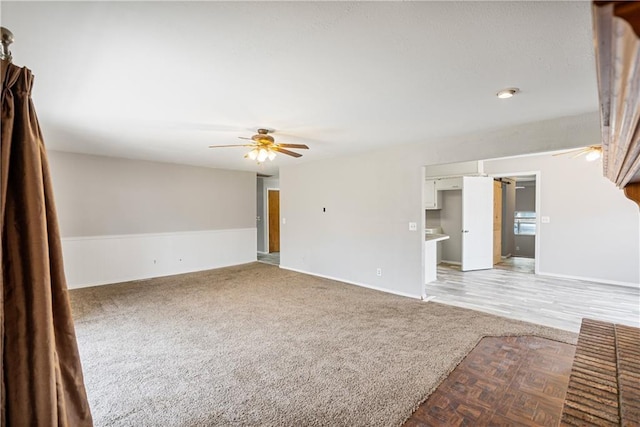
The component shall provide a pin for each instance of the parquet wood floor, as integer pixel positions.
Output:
(503, 381)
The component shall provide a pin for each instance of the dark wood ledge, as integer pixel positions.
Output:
(627, 10)
(632, 191)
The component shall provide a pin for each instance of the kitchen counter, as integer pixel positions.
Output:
(431, 255)
(435, 237)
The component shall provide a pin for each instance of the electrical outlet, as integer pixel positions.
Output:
(378, 272)
(545, 219)
(413, 226)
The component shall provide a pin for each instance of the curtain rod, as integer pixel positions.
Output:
(7, 39)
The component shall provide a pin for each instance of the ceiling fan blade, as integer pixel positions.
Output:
(234, 145)
(577, 152)
(244, 137)
(287, 152)
(581, 153)
(301, 146)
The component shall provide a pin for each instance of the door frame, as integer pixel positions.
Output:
(265, 196)
(537, 174)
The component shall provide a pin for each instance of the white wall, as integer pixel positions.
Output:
(594, 230)
(371, 198)
(100, 260)
(365, 225)
(126, 219)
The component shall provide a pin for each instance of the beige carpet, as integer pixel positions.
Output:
(257, 345)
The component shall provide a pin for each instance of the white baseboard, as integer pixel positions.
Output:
(100, 260)
(591, 279)
(364, 285)
(263, 253)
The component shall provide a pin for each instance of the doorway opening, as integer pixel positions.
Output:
(472, 221)
(516, 222)
(272, 228)
(268, 220)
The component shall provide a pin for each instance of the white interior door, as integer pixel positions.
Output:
(477, 223)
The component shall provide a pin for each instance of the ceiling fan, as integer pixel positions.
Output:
(591, 153)
(264, 147)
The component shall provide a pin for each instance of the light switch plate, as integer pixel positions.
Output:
(413, 226)
(284, 220)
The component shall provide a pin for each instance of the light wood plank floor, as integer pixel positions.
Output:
(514, 263)
(559, 303)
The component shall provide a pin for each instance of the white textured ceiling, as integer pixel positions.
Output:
(163, 80)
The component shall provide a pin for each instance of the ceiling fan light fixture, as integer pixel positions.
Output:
(262, 155)
(263, 147)
(593, 155)
(507, 93)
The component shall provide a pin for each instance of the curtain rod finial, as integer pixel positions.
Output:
(7, 39)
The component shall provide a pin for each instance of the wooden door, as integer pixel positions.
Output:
(477, 227)
(274, 220)
(497, 221)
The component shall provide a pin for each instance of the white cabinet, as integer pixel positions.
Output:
(449, 183)
(432, 197)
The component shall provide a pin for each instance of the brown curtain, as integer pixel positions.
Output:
(41, 375)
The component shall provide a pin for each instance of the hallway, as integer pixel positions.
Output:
(272, 258)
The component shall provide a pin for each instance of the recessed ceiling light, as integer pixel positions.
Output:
(507, 93)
